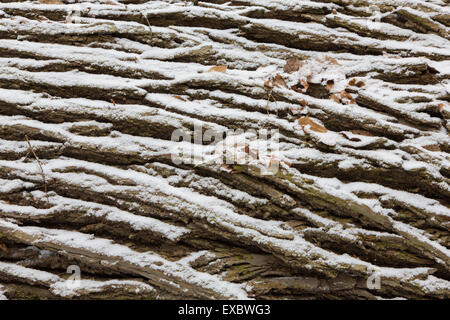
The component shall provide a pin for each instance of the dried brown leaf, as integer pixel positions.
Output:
(179, 98)
(314, 126)
(355, 83)
(278, 81)
(292, 65)
(345, 94)
(305, 84)
(432, 147)
(303, 102)
(331, 60)
(362, 133)
(222, 69)
(3, 247)
(50, 2)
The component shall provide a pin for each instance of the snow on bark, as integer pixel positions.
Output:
(91, 93)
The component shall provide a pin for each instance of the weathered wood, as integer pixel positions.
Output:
(96, 91)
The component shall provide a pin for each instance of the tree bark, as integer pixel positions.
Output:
(91, 94)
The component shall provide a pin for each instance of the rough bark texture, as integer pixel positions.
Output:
(91, 92)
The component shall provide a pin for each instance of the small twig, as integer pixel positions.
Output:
(149, 25)
(269, 96)
(440, 82)
(39, 163)
(26, 156)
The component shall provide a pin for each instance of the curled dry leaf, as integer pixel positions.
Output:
(305, 84)
(50, 2)
(314, 126)
(222, 69)
(342, 97)
(348, 96)
(331, 60)
(441, 106)
(362, 133)
(292, 65)
(278, 81)
(179, 98)
(432, 147)
(303, 102)
(355, 83)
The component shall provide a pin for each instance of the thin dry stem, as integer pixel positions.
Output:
(39, 163)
